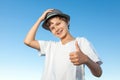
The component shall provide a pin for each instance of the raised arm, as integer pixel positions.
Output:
(30, 38)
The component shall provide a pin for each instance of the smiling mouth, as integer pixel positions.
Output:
(59, 32)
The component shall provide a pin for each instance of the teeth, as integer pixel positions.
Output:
(59, 31)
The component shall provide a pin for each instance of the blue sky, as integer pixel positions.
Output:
(97, 20)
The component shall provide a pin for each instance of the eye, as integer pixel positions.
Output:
(52, 28)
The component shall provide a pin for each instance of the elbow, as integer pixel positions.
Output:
(99, 73)
(26, 42)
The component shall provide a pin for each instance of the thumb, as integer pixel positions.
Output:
(77, 46)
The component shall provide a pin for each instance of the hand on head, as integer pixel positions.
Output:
(45, 13)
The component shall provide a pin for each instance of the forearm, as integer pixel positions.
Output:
(94, 68)
(31, 34)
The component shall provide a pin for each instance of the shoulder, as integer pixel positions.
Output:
(48, 42)
(46, 45)
(83, 42)
(82, 39)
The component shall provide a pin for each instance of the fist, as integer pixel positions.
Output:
(78, 57)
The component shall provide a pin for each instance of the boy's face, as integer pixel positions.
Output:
(58, 27)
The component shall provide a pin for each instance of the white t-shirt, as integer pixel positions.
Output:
(57, 63)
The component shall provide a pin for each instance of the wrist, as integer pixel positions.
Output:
(41, 19)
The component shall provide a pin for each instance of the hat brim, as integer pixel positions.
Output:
(51, 16)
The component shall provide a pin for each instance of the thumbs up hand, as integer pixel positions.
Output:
(78, 57)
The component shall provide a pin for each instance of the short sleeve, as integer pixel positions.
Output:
(89, 50)
(44, 47)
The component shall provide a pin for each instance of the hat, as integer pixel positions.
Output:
(55, 12)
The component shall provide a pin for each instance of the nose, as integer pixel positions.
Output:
(56, 28)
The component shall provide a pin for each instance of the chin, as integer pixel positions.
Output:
(62, 36)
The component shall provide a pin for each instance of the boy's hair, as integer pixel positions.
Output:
(60, 17)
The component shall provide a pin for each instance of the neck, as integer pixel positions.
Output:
(67, 39)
